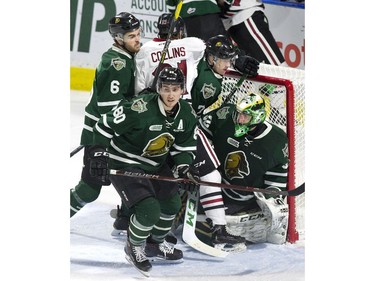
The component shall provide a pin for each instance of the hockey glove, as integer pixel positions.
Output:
(192, 174)
(98, 161)
(224, 6)
(247, 65)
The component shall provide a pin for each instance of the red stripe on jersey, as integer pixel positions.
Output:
(212, 201)
(265, 45)
(208, 148)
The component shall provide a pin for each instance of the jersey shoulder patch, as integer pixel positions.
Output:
(118, 63)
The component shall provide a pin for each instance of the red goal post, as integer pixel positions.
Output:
(283, 89)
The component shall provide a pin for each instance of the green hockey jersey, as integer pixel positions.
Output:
(258, 159)
(206, 87)
(194, 7)
(114, 81)
(138, 133)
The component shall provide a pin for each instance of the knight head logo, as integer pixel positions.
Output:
(158, 146)
(236, 165)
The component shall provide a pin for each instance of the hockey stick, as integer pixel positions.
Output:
(75, 151)
(188, 231)
(294, 192)
(167, 43)
(221, 100)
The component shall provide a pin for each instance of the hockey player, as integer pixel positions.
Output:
(183, 53)
(202, 18)
(114, 81)
(220, 55)
(247, 25)
(254, 153)
(206, 160)
(139, 134)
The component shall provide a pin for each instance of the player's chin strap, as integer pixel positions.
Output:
(188, 232)
(294, 192)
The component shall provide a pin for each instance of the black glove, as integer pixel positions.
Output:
(247, 65)
(98, 159)
(192, 174)
(224, 7)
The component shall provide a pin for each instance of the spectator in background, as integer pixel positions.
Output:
(247, 25)
(201, 17)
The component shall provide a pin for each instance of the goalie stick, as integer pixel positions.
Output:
(188, 231)
(294, 192)
(167, 43)
(75, 151)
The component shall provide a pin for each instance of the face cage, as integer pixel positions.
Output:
(256, 117)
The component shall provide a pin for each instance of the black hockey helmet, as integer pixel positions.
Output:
(123, 23)
(221, 47)
(164, 23)
(171, 76)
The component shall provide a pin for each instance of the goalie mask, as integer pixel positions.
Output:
(250, 111)
(122, 23)
(171, 76)
(164, 24)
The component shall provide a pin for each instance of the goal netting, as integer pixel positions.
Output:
(283, 89)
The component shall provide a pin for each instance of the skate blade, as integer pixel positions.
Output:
(117, 232)
(158, 260)
(145, 273)
(231, 248)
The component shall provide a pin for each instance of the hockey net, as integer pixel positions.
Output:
(283, 89)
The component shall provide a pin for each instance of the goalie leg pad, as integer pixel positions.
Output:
(251, 224)
(277, 211)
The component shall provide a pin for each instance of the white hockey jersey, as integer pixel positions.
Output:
(184, 54)
(241, 10)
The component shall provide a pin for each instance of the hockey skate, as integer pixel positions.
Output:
(136, 256)
(223, 240)
(162, 251)
(121, 222)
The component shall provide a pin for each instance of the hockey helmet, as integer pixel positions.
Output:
(123, 23)
(164, 24)
(221, 47)
(171, 76)
(250, 111)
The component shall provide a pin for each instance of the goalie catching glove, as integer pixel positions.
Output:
(98, 161)
(247, 65)
(192, 174)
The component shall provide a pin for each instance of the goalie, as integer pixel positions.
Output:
(254, 153)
